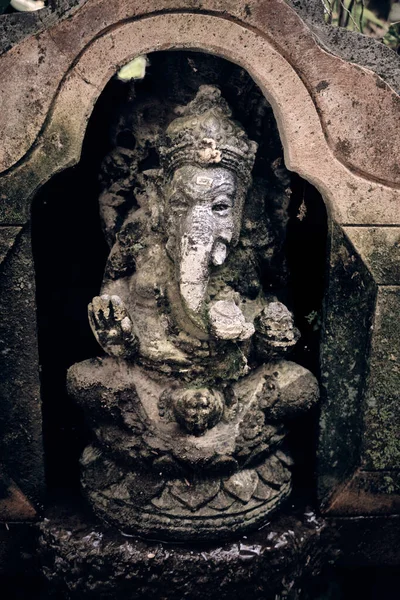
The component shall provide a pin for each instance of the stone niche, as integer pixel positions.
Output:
(280, 254)
(327, 169)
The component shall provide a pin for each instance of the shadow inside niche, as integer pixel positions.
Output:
(69, 253)
(306, 251)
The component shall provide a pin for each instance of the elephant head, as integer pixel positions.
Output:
(203, 217)
(207, 161)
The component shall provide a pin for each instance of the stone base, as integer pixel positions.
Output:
(154, 505)
(82, 558)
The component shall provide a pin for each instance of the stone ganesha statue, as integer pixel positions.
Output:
(190, 407)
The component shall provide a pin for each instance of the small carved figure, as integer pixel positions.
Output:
(190, 408)
(195, 409)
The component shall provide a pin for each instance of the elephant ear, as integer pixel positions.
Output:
(129, 241)
(128, 167)
(258, 261)
(118, 180)
(142, 222)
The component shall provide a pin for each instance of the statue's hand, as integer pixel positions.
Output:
(227, 321)
(112, 326)
(275, 331)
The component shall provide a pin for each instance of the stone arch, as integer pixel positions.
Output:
(306, 149)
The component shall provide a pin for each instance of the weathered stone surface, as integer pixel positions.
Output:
(382, 414)
(379, 248)
(349, 45)
(367, 492)
(54, 152)
(34, 83)
(20, 409)
(350, 305)
(7, 239)
(339, 88)
(352, 199)
(352, 46)
(345, 114)
(14, 505)
(361, 449)
(15, 27)
(85, 560)
(275, 324)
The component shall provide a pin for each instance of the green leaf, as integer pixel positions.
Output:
(135, 69)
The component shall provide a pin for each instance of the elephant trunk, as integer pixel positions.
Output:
(199, 247)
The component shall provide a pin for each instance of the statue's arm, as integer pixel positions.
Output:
(288, 390)
(112, 326)
(109, 317)
(276, 333)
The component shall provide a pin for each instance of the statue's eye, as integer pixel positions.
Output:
(221, 205)
(179, 204)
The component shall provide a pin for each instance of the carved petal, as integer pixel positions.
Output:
(222, 501)
(242, 485)
(165, 501)
(264, 492)
(285, 458)
(273, 473)
(197, 494)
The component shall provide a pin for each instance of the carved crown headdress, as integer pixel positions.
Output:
(205, 135)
